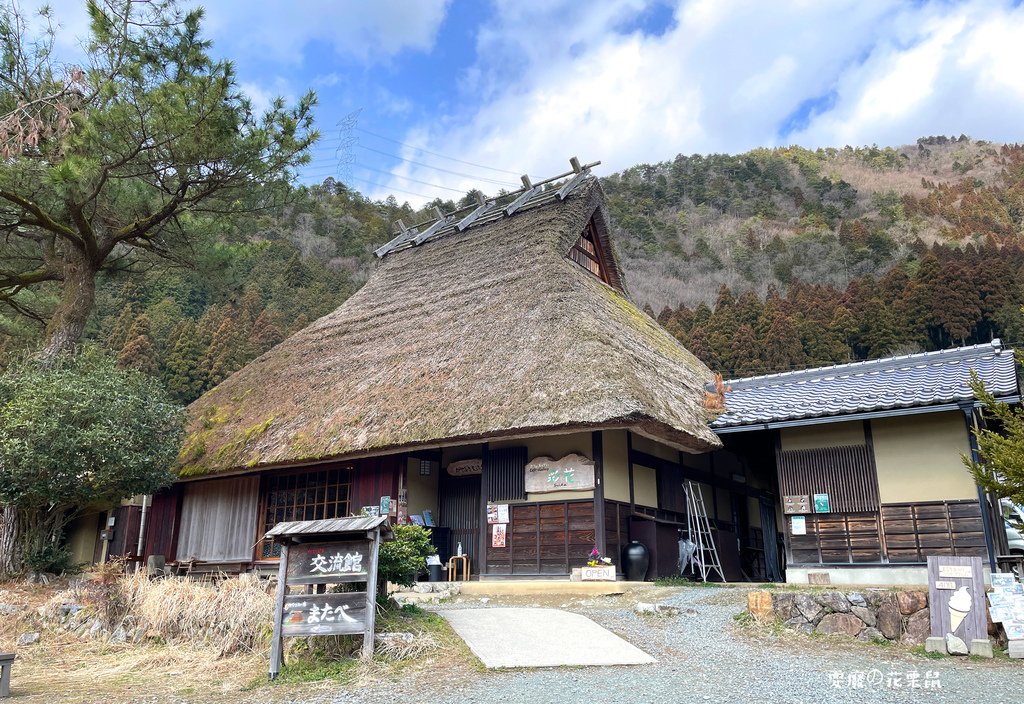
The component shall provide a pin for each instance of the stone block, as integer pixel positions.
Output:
(935, 644)
(888, 620)
(784, 604)
(819, 578)
(869, 635)
(865, 614)
(982, 648)
(28, 638)
(919, 628)
(808, 607)
(1015, 649)
(840, 624)
(911, 602)
(834, 601)
(657, 609)
(759, 604)
(857, 599)
(955, 646)
(799, 623)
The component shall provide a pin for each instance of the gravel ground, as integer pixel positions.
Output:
(706, 657)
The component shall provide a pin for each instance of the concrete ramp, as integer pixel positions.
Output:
(540, 638)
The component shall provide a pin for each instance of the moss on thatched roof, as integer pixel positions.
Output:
(485, 333)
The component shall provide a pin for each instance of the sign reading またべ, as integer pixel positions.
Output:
(571, 473)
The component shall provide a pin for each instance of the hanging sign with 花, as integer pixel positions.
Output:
(571, 473)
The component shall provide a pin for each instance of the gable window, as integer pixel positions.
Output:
(589, 254)
(302, 496)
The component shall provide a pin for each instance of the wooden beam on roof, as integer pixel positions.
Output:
(571, 185)
(404, 234)
(480, 210)
(530, 190)
(433, 230)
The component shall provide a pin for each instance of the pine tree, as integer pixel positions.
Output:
(781, 349)
(743, 351)
(118, 336)
(222, 357)
(266, 331)
(183, 376)
(139, 354)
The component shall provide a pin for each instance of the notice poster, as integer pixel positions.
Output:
(498, 535)
(799, 525)
(497, 513)
(1006, 605)
(821, 503)
(428, 518)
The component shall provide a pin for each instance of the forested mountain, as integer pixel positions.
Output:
(764, 261)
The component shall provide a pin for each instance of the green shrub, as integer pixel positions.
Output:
(403, 558)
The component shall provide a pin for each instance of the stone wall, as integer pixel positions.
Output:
(871, 614)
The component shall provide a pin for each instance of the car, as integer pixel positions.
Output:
(1013, 519)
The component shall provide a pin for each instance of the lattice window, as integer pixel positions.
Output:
(588, 254)
(303, 496)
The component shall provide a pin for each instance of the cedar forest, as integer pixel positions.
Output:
(761, 262)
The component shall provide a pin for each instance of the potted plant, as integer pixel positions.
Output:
(598, 569)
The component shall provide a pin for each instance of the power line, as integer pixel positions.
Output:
(438, 168)
(391, 188)
(439, 156)
(409, 178)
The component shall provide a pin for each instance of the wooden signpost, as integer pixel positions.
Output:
(315, 554)
(956, 597)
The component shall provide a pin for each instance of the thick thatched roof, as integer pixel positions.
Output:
(480, 334)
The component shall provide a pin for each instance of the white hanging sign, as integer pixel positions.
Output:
(571, 473)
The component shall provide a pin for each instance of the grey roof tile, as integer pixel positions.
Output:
(907, 381)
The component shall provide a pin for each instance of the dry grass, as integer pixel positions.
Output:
(204, 642)
(229, 617)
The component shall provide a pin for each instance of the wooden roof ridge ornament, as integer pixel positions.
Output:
(327, 551)
(529, 191)
(483, 206)
(404, 233)
(411, 236)
(582, 172)
(442, 222)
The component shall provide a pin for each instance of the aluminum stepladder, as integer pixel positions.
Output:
(699, 531)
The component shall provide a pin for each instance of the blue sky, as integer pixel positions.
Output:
(454, 94)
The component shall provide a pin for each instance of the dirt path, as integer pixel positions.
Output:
(702, 655)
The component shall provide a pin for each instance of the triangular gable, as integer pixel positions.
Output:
(588, 252)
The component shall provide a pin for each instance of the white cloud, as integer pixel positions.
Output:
(279, 31)
(564, 80)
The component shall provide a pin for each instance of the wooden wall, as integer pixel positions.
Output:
(915, 530)
(898, 534)
(544, 538)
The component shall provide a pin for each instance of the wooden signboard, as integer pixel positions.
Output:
(571, 473)
(796, 504)
(304, 607)
(329, 563)
(956, 597)
(324, 614)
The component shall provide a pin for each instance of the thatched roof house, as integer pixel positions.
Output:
(506, 329)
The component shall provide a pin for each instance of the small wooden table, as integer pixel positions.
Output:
(6, 661)
(453, 565)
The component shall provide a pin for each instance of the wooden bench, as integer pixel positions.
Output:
(6, 660)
